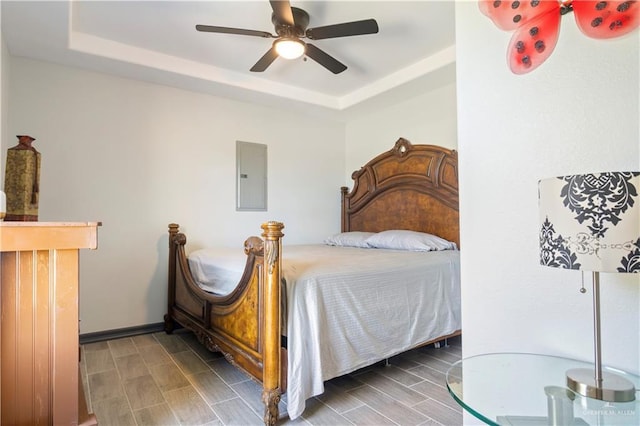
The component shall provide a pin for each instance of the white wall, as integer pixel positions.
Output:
(577, 113)
(4, 101)
(426, 118)
(137, 156)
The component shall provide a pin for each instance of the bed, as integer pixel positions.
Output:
(292, 323)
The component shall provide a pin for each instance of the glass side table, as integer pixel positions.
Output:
(525, 389)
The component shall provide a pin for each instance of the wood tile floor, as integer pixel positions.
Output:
(161, 380)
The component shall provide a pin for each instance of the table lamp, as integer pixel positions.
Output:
(591, 222)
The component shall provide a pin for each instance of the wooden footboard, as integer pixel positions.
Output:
(244, 325)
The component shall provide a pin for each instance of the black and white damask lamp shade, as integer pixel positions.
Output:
(591, 222)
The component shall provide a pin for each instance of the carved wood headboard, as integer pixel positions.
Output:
(411, 187)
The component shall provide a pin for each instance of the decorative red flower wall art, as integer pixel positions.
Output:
(537, 25)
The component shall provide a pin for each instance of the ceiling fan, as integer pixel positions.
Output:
(291, 26)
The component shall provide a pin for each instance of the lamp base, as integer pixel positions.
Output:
(614, 388)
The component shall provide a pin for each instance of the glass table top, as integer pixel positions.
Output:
(529, 389)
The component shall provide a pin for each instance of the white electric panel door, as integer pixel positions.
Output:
(251, 176)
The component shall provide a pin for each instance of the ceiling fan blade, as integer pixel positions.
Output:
(239, 31)
(327, 61)
(282, 11)
(266, 60)
(367, 26)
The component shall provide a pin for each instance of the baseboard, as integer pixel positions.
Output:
(100, 336)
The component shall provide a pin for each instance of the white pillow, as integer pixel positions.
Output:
(349, 239)
(399, 239)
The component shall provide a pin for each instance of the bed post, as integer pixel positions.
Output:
(344, 221)
(168, 318)
(271, 391)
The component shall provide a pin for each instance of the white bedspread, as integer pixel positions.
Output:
(348, 308)
(217, 270)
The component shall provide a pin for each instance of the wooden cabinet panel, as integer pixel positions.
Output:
(39, 321)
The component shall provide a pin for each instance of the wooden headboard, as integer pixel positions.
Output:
(411, 187)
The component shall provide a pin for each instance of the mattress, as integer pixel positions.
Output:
(349, 307)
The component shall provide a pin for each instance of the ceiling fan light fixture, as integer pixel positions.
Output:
(289, 48)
